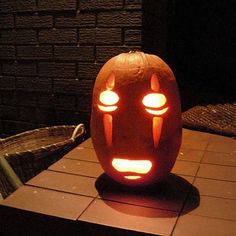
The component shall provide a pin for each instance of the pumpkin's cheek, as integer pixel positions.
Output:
(134, 158)
(132, 133)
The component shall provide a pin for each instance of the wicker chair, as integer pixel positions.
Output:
(24, 155)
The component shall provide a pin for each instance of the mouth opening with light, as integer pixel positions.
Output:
(136, 118)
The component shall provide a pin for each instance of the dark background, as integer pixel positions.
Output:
(203, 50)
(51, 51)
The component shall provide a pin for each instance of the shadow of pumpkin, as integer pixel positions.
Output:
(165, 199)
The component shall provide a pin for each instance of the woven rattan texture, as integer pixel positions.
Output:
(214, 118)
(31, 152)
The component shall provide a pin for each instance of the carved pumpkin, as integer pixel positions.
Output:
(136, 122)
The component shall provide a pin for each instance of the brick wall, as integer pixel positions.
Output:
(51, 51)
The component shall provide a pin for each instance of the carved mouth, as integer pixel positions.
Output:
(132, 177)
(132, 167)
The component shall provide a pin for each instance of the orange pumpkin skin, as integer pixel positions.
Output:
(130, 133)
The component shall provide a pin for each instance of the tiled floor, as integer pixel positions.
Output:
(215, 157)
(198, 198)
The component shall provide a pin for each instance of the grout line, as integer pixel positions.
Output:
(137, 205)
(181, 160)
(87, 147)
(59, 191)
(201, 161)
(218, 152)
(58, 171)
(223, 180)
(65, 158)
(127, 203)
(217, 218)
(71, 158)
(211, 196)
(207, 145)
(216, 164)
(181, 210)
(199, 166)
(86, 208)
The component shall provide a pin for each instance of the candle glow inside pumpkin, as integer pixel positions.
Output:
(136, 118)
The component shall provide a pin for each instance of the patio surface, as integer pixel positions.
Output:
(198, 198)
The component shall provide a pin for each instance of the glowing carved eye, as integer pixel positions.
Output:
(155, 100)
(109, 99)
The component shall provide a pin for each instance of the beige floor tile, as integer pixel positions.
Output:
(48, 202)
(65, 182)
(194, 144)
(197, 135)
(77, 167)
(87, 143)
(82, 153)
(186, 154)
(214, 207)
(219, 138)
(218, 172)
(222, 144)
(194, 140)
(216, 188)
(190, 225)
(130, 217)
(185, 168)
(220, 158)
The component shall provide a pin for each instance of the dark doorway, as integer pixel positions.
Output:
(201, 46)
